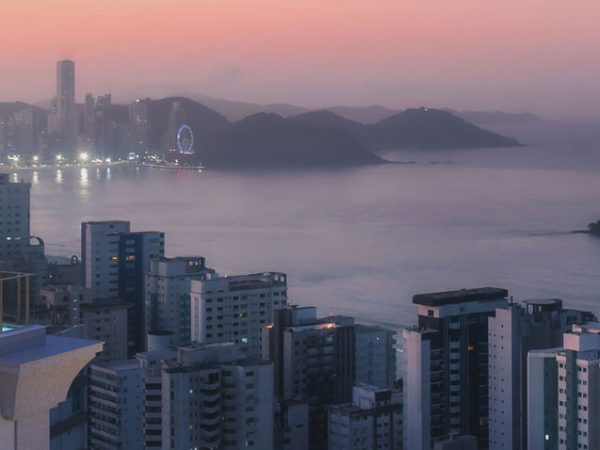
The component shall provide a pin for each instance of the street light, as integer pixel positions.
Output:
(59, 157)
(84, 156)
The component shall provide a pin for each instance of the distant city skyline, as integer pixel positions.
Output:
(513, 56)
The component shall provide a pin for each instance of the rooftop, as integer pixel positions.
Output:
(464, 295)
(26, 344)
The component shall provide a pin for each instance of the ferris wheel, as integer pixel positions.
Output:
(185, 140)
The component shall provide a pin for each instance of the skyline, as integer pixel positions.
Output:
(492, 56)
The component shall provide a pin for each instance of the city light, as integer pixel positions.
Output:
(36, 158)
(59, 157)
(84, 156)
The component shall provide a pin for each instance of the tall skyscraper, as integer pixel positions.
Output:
(66, 113)
(446, 366)
(106, 133)
(564, 392)
(89, 121)
(513, 332)
(236, 308)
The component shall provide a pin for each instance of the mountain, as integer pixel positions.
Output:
(235, 110)
(363, 114)
(415, 128)
(496, 117)
(270, 141)
(7, 109)
(428, 128)
(202, 119)
(328, 119)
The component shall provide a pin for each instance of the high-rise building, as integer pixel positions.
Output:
(291, 425)
(106, 132)
(138, 116)
(89, 121)
(177, 117)
(136, 251)
(152, 363)
(100, 256)
(14, 227)
(19, 251)
(513, 332)
(446, 366)
(29, 124)
(116, 406)
(115, 263)
(65, 112)
(37, 371)
(373, 420)
(318, 361)
(564, 392)
(236, 308)
(106, 320)
(168, 285)
(214, 397)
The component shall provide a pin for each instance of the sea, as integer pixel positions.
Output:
(363, 241)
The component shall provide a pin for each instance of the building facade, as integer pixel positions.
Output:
(564, 392)
(236, 308)
(372, 421)
(100, 256)
(36, 373)
(116, 406)
(446, 366)
(136, 251)
(168, 286)
(514, 331)
(214, 398)
(317, 361)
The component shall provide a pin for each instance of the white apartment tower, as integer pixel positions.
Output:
(115, 406)
(236, 308)
(564, 392)
(446, 366)
(515, 330)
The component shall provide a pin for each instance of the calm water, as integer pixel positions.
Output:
(363, 241)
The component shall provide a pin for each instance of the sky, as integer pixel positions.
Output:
(514, 55)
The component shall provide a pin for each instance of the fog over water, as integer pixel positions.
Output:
(363, 241)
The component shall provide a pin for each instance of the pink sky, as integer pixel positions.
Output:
(532, 55)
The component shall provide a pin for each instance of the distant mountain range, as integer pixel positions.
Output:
(235, 111)
(423, 128)
(294, 137)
